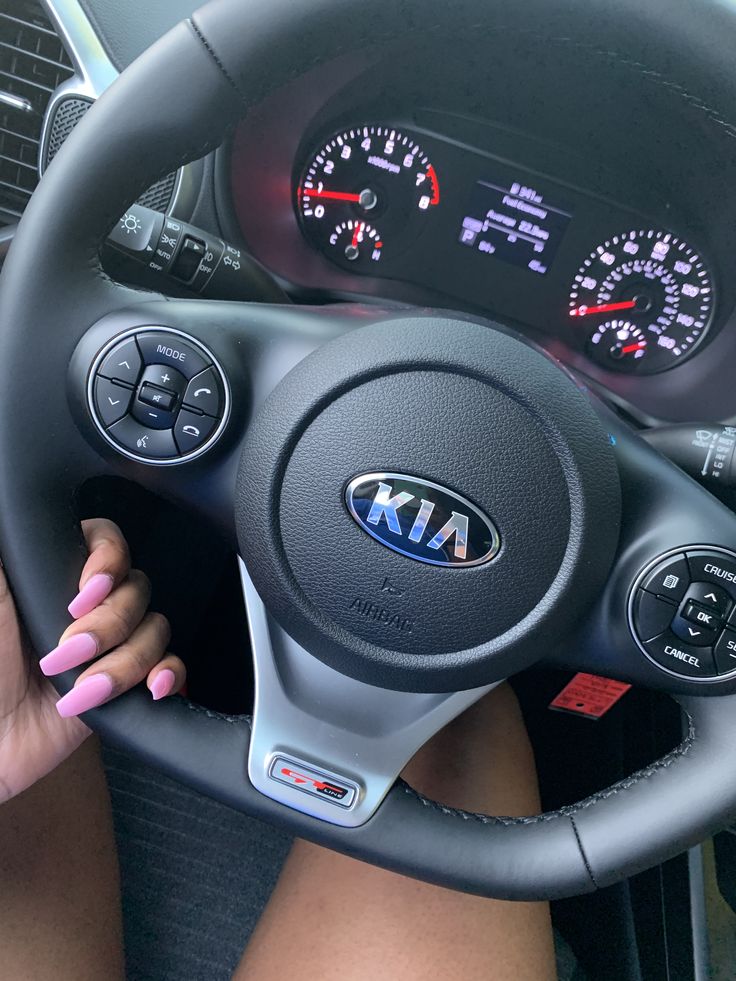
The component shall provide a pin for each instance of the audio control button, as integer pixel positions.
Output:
(169, 349)
(124, 362)
(112, 400)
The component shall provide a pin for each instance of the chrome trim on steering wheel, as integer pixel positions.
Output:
(352, 737)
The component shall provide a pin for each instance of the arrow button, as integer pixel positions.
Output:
(697, 635)
(111, 401)
(124, 363)
(710, 597)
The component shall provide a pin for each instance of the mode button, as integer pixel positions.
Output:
(160, 348)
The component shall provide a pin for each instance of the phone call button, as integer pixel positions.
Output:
(192, 430)
(204, 393)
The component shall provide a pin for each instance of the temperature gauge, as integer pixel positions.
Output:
(357, 243)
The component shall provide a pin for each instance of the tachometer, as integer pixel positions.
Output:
(658, 285)
(371, 178)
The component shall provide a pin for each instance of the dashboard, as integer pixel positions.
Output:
(383, 199)
(565, 191)
(611, 252)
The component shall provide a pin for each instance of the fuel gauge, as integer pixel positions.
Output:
(618, 345)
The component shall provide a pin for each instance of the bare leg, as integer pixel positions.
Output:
(59, 891)
(371, 924)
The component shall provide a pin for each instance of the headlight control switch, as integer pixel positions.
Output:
(158, 396)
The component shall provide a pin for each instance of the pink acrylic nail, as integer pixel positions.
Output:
(88, 694)
(70, 654)
(91, 595)
(163, 684)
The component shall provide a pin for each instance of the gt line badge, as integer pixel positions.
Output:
(422, 520)
(311, 781)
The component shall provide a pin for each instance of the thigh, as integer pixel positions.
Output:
(195, 875)
(332, 917)
(59, 889)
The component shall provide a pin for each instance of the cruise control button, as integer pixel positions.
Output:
(192, 430)
(168, 349)
(670, 578)
(151, 443)
(725, 652)
(675, 655)
(111, 400)
(123, 362)
(714, 597)
(713, 567)
(205, 394)
(652, 615)
(691, 633)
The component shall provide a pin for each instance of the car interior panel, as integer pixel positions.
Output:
(399, 341)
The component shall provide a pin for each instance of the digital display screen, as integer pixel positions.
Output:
(514, 224)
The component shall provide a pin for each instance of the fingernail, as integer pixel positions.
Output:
(69, 654)
(91, 595)
(163, 684)
(88, 694)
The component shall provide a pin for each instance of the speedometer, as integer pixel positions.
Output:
(659, 291)
(364, 193)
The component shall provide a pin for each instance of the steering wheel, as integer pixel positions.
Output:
(423, 502)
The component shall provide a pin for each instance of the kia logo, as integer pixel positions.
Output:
(422, 520)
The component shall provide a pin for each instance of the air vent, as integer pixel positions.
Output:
(33, 63)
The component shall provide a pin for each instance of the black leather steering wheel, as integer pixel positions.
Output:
(322, 397)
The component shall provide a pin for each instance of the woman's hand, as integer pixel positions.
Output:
(112, 629)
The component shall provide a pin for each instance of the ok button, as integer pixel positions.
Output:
(701, 615)
(697, 625)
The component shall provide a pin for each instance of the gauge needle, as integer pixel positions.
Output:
(331, 195)
(630, 348)
(356, 234)
(603, 308)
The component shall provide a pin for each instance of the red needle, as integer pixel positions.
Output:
(331, 195)
(603, 308)
(356, 234)
(630, 348)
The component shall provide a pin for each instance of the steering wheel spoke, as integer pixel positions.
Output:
(663, 619)
(326, 744)
(165, 390)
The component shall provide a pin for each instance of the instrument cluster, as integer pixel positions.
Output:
(399, 203)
